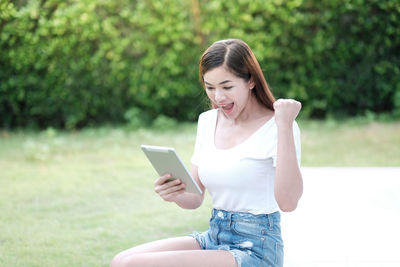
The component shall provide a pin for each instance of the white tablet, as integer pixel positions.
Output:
(166, 160)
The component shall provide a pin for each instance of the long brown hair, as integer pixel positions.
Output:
(238, 58)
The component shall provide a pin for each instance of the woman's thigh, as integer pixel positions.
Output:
(169, 244)
(181, 258)
(179, 251)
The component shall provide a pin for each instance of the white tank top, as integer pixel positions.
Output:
(240, 179)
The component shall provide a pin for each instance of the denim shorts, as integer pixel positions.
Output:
(254, 240)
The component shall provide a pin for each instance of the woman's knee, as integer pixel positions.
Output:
(119, 261)
(122, 260)
(116, 261)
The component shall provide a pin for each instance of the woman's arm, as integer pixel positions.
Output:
(174, 191)
(288, 180)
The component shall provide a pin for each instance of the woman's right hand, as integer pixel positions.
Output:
(169, 190)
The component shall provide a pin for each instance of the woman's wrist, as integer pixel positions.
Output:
(285, 126)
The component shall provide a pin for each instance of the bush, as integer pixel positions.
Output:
(76, 63)
(73, 63)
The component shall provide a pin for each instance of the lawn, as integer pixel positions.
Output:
(77, 198)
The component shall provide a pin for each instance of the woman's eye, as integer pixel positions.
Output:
(209, 88)
(228, 87)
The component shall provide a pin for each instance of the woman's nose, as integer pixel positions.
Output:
(219, 95)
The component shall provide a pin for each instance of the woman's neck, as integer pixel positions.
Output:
(253, 111)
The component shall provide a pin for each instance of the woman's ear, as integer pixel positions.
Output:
(251, 84)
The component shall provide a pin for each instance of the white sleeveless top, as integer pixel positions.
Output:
(240, 179)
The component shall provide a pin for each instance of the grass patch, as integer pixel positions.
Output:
(350, 143)
(77, 198)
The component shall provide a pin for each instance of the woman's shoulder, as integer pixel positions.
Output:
(209, 114)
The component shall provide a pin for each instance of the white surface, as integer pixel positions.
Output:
(346, 217)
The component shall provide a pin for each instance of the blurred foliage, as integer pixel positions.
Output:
(74, 63)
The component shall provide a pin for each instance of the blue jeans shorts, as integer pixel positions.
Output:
(254, 240)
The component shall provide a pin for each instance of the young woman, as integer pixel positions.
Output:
(247, 156)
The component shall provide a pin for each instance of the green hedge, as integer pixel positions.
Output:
(76, 63)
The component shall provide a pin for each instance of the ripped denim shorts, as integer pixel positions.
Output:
(254, 240)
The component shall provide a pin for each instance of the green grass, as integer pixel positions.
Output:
(350, 143)
(77, 198)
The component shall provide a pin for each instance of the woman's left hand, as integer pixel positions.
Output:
(286, 111)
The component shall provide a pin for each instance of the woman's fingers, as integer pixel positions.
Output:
(172, 192)
(162, 179)
(161, 186)
(168, 186)
(286, 110)
(168, 189)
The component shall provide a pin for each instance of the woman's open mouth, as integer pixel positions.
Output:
(227, 108)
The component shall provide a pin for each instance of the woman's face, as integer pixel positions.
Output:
(228, 92)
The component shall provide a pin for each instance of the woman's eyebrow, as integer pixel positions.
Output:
(226, 81)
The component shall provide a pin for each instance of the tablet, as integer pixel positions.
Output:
(166, 160)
